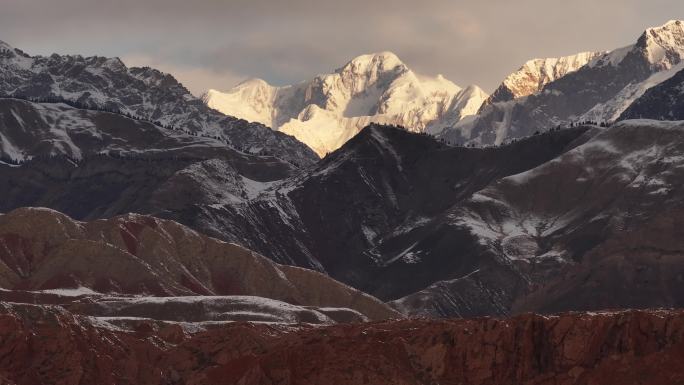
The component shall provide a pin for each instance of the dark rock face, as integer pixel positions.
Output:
(664, 101)
(392, 185)
(49, 345)
(500, 94)
(366, 214)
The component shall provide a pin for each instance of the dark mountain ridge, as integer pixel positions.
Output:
(146, 93)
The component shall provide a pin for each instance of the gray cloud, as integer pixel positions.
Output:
(213, 43)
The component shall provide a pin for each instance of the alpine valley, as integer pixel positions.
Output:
(368, 226)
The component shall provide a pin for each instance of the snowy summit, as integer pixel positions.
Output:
(329, 109)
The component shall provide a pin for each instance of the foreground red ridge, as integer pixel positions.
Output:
(47, 345)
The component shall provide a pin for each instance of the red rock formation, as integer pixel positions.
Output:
(142, 255)
(47, 345)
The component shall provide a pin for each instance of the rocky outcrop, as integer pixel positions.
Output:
(536, 73)
(49, 345)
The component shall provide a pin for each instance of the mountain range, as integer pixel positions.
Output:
(141, 93)
(328, 110)
(150, 236)
(430, 228)
(599, 91)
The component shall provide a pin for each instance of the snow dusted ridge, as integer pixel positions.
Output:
(328, 110)
(144, 93)
(29, 129)
(536, 73)
(663, 48)
(600, 90)
(664, 45)
(640, 166)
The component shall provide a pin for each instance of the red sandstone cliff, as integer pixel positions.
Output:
(46, 345)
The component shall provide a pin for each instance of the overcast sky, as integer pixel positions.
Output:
(215, 44)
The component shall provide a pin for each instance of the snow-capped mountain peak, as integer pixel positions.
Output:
(252, 100)
(366, 74)
(253, 82)
(664, 45)
(329, 109)
(659, 51)
(600, 90)
(379, 61)
(254, 88)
